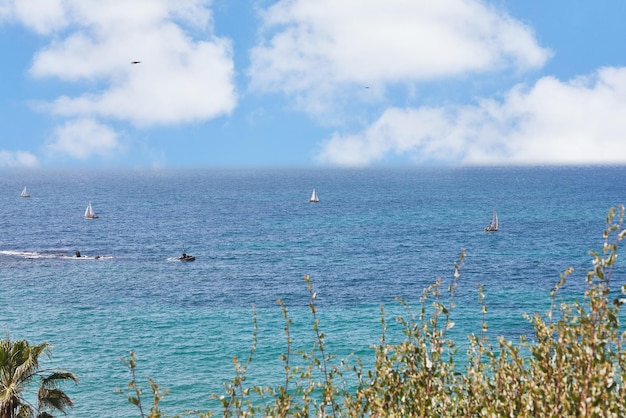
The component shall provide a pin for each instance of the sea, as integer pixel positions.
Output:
(377, 236)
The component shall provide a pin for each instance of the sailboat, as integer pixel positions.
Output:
(493, 225)
(89, 213)
(25, 193)
(314, 198)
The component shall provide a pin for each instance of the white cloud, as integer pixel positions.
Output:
(41, 16)
(314, 48)
(18, 159)
(83, 139)
(582, 121)
(180, 79)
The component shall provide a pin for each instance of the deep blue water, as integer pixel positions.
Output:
(375, 235)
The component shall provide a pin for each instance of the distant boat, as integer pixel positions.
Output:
(493, 225)
(25, 193)
(314, 198)
(89, 213)
(186, 257)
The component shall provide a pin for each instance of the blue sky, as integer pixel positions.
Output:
(298, 83)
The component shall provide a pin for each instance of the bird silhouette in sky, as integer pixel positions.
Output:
(136, 62)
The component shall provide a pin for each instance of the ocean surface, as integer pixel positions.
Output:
(375, 235)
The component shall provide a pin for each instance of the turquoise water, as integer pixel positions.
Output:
(374, 236)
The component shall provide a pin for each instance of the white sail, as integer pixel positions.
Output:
(493, 225)
(89, 213)
(314, 198)
(25, 193)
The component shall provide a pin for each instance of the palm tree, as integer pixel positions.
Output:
(19, 368)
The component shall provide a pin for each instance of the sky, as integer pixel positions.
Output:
(311, 83)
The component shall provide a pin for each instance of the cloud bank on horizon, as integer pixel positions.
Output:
(361, 70)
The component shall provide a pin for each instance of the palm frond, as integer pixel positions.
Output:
(52, 381)
(53, 399)
(19, 365)
(25, 411)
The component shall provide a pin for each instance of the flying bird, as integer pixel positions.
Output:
(135, 62)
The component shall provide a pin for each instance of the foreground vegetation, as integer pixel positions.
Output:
(573, 365)
(19, 369)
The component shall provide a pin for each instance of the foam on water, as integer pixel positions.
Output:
(52, 254)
